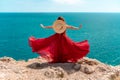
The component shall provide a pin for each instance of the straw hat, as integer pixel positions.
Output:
(59, 26)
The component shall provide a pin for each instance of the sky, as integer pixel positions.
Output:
(59, 5)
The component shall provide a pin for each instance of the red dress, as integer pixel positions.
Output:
(59, 48)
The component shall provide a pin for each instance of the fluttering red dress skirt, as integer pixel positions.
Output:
(59, 48)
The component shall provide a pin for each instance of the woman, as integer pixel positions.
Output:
(59, 47)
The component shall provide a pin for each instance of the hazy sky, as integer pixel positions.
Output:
(59, 5)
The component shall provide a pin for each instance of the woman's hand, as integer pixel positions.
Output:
(74, 28)
(47, 27)
(42, 25)
(79, 27)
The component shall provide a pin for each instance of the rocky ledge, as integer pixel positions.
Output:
(39, 69)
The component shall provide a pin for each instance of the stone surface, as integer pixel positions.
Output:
(39, 69)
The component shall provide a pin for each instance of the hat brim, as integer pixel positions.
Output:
(59, 26)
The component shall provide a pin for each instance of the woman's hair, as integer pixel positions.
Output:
(60, 18)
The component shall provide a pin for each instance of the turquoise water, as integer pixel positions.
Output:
(101, 29)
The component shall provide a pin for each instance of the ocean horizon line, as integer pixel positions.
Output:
(59, 12)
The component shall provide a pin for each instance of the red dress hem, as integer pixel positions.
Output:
(59, 48)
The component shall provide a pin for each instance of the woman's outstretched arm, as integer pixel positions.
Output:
(74, 28)
(45, 26)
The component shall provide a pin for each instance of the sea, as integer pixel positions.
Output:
(102, 30)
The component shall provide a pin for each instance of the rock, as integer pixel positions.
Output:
(101, 69)
(49, 74)
(55, 73)
(60, 73)
(77, 67)
(38, 69)
(3, 67)
(6, 59)
(115, 76)
(87, 61)
(35, 65)
(87, 69)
